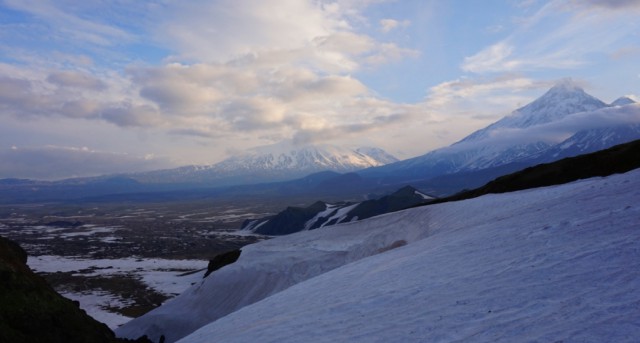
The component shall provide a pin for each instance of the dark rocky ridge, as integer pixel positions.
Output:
(618, 159)
(31, 311)
(294, 219)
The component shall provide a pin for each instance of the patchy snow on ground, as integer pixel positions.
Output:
(88, 231)
(95, 304)
(169, 277)
(552, 264)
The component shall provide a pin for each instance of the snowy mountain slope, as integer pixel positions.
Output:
(382, 157)
(561, 100)
(524, 240)
(530, 131)
(307, 158)
(267, 268)
(623, 100)
(591, 140)
(556, 264)
(273, 163)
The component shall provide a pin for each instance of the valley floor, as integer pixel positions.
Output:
(120, 261)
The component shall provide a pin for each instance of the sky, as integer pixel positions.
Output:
(100, 87)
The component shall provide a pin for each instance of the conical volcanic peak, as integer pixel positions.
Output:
(561, 100)
(622, 101)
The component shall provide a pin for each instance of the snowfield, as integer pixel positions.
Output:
(552, 264)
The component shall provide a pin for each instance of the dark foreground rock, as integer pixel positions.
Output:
(222, 260)
(31, 311)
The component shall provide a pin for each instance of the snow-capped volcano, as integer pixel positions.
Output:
(274, 163)
(548, 124)
(561, 100)
(306, 159)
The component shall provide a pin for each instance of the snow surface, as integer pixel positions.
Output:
(267, 268)
(553, 264)
(559, 264)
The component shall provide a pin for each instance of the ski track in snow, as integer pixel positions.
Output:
(552, 264)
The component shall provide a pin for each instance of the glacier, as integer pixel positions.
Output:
(558, 263)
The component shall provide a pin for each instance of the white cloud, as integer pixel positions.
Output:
(223, 30)
(62, 22)
(607, 4)
(557, 131)
(560, 35)
(75, 79)
(464, 95)
(387, 25)
(55, 162)
(243, 68)
(492, 58)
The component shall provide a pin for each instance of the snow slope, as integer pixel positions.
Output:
(558, 264)
(267, 268)
(551, 264)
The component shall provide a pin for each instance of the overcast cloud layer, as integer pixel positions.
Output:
(152, 84)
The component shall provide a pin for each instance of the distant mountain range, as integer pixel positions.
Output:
(272, 163)
(564, 122)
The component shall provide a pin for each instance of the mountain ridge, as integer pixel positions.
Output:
(273, 163)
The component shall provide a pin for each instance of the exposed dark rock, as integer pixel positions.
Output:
(618, 159)
(401, 199)
(31, 311)
(291, 220)
(141, 339)
(294, 219)
(222, 260)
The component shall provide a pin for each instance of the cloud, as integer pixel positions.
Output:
(265, 69)
(387, 25)
(261, 92)
(492, 58)
(240, 27)
(557, 131)
(608, 4)
(560, 35)
(60, 21)
(126, 114)
(344, 131)
(483, 95)
(75, 79)
(73, 94)
(53, 162)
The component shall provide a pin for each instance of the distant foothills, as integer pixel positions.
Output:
(564, 122)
